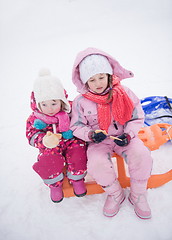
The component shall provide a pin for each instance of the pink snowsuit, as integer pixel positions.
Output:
(85, 118)
(50, 164)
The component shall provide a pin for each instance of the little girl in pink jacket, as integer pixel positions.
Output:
(108, 116)
(48, 130)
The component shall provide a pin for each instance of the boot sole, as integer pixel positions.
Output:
(142, 217)
(56, 201)
(80, 195)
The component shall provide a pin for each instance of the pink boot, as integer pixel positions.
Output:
(79, 188)
(114, 199)
(138, 198)
(56, 193)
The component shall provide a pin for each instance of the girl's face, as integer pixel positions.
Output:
(98, 83)
(50, 107)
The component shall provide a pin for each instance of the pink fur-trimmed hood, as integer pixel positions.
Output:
(118, 70)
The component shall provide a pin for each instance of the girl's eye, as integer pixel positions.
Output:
(44, 105)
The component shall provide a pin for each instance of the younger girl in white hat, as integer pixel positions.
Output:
(48, 130)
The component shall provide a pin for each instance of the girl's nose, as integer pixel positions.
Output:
(98, 83)
(50, 108)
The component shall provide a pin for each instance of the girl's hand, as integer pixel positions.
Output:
(51, 140)
(67, 134)
(124, 140)
(39, 124)
(98, 136)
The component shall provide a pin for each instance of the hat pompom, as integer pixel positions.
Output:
(44, 72)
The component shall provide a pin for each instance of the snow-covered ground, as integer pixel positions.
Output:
(49, 33)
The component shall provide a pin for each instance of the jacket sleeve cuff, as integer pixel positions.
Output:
(88, 135)
(131, 133)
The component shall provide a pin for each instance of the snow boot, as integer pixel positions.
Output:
(79, 188)
(56, 193)
(114, 199)
(138, 199)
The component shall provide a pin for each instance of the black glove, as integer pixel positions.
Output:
(98, 137)
(125, 140)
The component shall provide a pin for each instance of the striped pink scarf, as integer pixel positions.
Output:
(122, 105)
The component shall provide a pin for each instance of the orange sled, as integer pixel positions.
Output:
(153, 137)
(156, 135)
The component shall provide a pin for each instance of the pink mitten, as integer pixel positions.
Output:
(48, 165)
(51, 140)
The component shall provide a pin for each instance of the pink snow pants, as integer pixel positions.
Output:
(51, 161)
(101, 168)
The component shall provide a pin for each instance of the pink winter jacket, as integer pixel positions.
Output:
(84, 111)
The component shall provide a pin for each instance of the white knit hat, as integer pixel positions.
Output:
(47, 87)
(92, 65)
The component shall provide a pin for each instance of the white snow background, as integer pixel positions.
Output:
(49, 33)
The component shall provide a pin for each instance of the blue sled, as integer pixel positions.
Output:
(157, 109)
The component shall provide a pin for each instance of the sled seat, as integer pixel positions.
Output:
(154, 181)
(153, 137)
